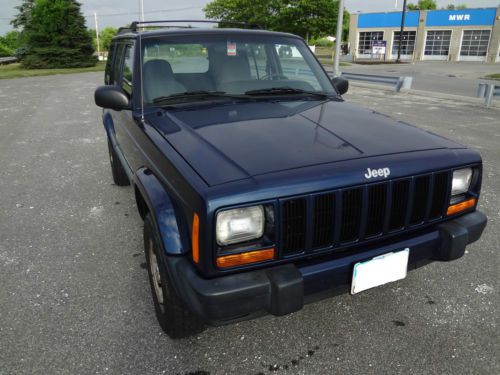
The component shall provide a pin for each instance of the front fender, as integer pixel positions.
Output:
(162, 211)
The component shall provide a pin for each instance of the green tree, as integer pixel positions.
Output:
(307, 18)
(5, 51)
(56, 36)
(423, 5)
(12, 40)
(24, 14)
(105, 36)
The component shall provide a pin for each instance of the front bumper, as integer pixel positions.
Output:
(284, 289)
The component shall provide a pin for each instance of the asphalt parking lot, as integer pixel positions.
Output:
(74, 295)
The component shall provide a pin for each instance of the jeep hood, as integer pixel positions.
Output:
(225, 143)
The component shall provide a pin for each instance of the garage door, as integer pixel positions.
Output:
(474, 45)
(407, 44)
(437, 45)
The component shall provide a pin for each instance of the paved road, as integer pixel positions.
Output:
(450, 78)
(74, 297)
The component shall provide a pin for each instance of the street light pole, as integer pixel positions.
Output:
(340, 21)
(401, 32)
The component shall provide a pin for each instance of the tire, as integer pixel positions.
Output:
(120, 177)
(175, 320)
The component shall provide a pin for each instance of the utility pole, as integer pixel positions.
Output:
(340, 22)
(141, 5)
(97, 36)
(401, 32)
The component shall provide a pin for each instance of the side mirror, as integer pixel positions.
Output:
(341, 84)
(111, 97)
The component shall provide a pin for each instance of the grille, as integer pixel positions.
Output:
(360, 213)
(324, 220)
(294, 225)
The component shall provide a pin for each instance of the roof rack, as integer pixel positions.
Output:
(154, 24)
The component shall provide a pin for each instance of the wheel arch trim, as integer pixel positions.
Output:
(163, 212)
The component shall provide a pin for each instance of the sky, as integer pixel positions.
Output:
(120, 12)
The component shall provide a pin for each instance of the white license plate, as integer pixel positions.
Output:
(379, 271)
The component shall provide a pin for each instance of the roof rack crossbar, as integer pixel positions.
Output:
(136, 24)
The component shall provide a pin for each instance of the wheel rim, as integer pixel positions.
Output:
(155, 273)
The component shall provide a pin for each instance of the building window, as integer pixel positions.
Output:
(407, 44)
(366, 41)
(438, 43)
(475, 43)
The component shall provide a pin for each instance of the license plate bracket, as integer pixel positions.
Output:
(380, 270)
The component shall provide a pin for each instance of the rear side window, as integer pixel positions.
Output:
(183, 58)
(128, 68)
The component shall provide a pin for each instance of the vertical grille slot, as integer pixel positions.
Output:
(324, 220)
(377, 196)
(351, 214)
(420, 198)
(440, 195)
(399, 204)
(294, 225)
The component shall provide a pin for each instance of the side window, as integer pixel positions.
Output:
(294, 65)
(117, 63)
(183, 58)
(257, 57)
(109, 64)
(128, 68)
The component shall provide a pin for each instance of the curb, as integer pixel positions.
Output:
(432, 94)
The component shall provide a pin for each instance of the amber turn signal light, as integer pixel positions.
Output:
(245, 258)
(195, 238)
(462, 206)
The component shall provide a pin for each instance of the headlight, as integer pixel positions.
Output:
(239, 225)
(461, 181)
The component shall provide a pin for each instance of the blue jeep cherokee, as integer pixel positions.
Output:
(261, 189)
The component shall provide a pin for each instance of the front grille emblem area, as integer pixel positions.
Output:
(381, 172)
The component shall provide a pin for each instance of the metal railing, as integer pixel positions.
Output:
(398, 82)
(488, 91)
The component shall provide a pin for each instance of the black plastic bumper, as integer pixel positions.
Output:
(284, 289)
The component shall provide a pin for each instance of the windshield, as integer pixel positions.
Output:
(222, 65)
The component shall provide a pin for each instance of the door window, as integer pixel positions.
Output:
(117, 63)
(128, 68)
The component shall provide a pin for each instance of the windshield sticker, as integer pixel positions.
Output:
(231, 49)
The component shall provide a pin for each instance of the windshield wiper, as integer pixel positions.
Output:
(285, 91)
(195, 94)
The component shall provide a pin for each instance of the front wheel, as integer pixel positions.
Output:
(175, 320)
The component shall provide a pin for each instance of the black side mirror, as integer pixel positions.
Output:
(111, 97)
(341, 84)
